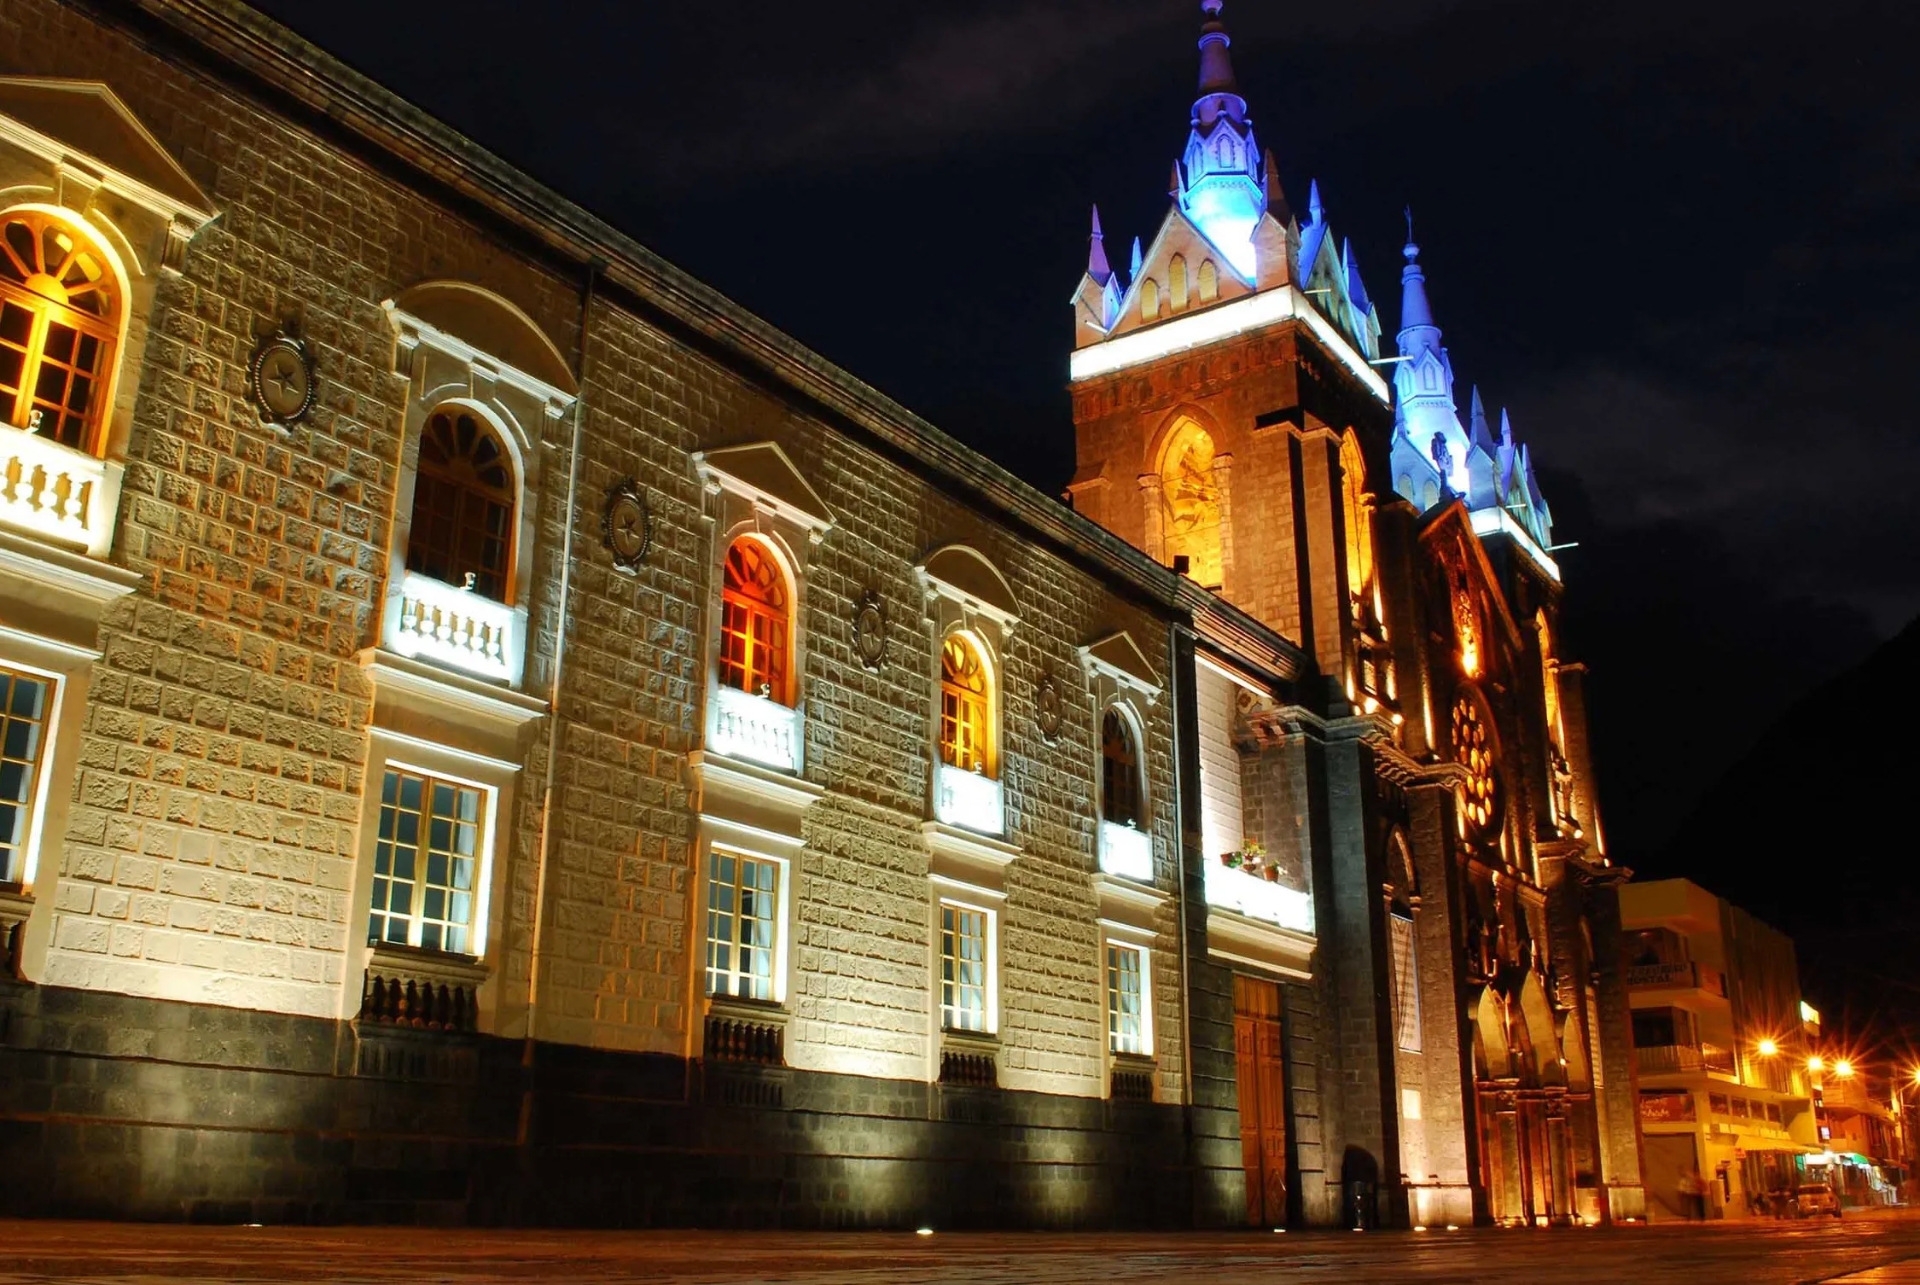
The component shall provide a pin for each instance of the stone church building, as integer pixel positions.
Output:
(491, 731)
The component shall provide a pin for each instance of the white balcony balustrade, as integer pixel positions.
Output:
(454, 627)
(971, 800)
(54, 491)
(755, 728)
(1126, 852)
(1256, 898)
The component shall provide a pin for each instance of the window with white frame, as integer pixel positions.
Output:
(1127, 1030)
(964, 972)
(26, 702)
(743, 917)
(1406, 991)
(427, 859)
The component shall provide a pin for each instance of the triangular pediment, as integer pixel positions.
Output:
(1121, 657)
(84, 122)
(763, 472)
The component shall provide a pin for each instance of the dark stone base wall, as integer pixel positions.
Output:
(118, 1107)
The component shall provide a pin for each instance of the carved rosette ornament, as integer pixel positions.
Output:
(870, 631)
(280, 379)
(626, 525)
(1046, 709)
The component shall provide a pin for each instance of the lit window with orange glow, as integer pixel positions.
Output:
(1467, 628)
(59, 317)
(1473, 750)
(966, 707)
(754, 624)
(1550, 679)
(1359, 521)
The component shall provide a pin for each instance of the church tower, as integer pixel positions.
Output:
(1219, 382)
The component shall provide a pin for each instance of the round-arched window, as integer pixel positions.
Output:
(59, 317)
(1121, 797)
(463, 505)
(754, 622)
(966, 706)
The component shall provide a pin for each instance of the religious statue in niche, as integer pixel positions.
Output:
(1190, 496)
(1467, 628)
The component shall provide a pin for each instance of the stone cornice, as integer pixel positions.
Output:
(271, 56)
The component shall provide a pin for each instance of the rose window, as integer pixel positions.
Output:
(1473, 750)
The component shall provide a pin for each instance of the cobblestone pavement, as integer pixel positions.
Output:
(1881, 1249)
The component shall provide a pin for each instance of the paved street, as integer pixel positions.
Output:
(1881, 1250)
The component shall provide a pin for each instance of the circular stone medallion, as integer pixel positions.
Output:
(281, 381)
(870, 630)
(626, 525)
(1047, 708)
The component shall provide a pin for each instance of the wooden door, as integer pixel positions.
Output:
(1259, 1062)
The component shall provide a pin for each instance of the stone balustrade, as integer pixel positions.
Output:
(52, 490)
(454, 627)
(1126, 852)
(971, 800)
(1257, 898)
(755, 728)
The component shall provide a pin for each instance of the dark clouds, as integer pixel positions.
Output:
(1676, 239)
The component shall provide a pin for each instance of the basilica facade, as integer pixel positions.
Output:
(494, 732)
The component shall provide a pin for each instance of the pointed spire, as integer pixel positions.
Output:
(1506, 425)
(1315, 213)
(1276, 198)
(1133, 271)
(1356, 289)
(1415, 312)
(1097, 266)
(1477, 424)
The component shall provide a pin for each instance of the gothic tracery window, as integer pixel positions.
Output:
(463, 505)
(1473, 750)
(1359, 520)
(754, 622)
(59, 317)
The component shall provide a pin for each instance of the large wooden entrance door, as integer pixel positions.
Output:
(1263, 1099)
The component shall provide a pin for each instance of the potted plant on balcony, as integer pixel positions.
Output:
(1231, 860)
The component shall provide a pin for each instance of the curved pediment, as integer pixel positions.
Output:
(491, 325)
(964, 572)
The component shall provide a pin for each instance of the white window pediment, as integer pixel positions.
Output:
(965, 590)
(1115, 665)
(760, 478)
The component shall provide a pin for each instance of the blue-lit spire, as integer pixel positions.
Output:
(1220, 182)
(1097, 266)
(1423, 379)
(1133, 271)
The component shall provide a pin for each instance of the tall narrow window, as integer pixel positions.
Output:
(963, 968)
(1177, 283)
(743, 898)
(426, 864)
(1190, 494)
(463, 502)
(1359, 520)
(1149, 300)
(1126, 1000)
(1406, 981)
(966, 707)
(1119, 771)
(59, 314)
(753, 626)
(1209, 281)
(24, 701)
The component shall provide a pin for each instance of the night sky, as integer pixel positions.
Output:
(1676, 239)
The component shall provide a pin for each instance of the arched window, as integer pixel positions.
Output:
(754, 622)
(1177, 283)
(1209, 281)
(966, 707)
(1149, 300)
(1190, 522)
(1359, 519)
(1120, 794)
(59, 316)
(463, 505)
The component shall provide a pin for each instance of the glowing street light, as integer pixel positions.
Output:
(1768, 1048)
(1843, 1068)
(1816, 1063)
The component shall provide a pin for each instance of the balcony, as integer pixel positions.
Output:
(1257, 898)
(453, 627)
(1126, 851)
(755, 728)
(971, 800)
(54, 491)
(1684, 1059)
(1683, 975)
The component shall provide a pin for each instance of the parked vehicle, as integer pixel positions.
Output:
(1815, 1198)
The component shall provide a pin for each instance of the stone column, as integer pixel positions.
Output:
(1223, 485)
(1153, 509)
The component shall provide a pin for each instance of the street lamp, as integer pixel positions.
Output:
(1816, 1063)
(1767, 1048)
(1843, 1069)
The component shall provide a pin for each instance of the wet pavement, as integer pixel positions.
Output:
(1879, 1249)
